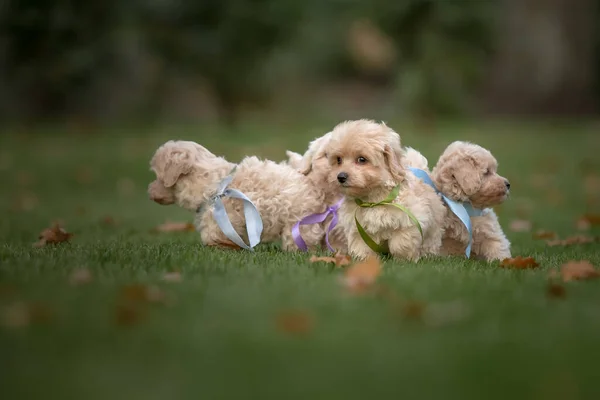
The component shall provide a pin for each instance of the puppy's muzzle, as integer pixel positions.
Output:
(507, 183)
(342, 177)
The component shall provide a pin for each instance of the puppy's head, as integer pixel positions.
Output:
(468, 172)
(363, 157)
(185, 171)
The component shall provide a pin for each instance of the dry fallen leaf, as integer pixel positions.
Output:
(24, 178)
(413, 309)
(579, 239)
(138, 293)
(520, 225)
(544, 235)
(80, 276)
(108, 221)
(175, 227)
(128, 315)
(25, 202)
(172, 277)
(294, 322)
(338, 259)
(361, 276)
(592, 219)
(15, 315)
(555, 290)
(578, 270)
(21, 314)
(519, 263)
(53, 235)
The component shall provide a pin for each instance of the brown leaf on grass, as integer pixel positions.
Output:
(175, 227)
(21, 314)
(138, 293)
(591, 219)
(583, 224)
(361, 276)
(413, 309)
(555, 290)
(108, 221)
(24, 178)
(25, 202)
(15, 315)
(541, 234)
(578, 270)
(520, 225)
(579, 239)
(53, 235)
(174, 276)
(128, 315)
(519, 263)
(80, 276)
(338, 259)
(294, 322)
(133, 300)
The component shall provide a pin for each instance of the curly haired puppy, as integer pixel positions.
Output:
(467, 172)
(315, 165)
(188, 175)
(366, 161)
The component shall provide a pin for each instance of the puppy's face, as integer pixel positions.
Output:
(363, 156)
(183, 173)
(468, 172)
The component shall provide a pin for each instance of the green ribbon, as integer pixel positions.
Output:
(388, 201)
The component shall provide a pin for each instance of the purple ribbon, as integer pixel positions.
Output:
(315, 219)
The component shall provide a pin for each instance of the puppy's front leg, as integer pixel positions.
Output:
(406, 243)
(357, 247)
(489, 240)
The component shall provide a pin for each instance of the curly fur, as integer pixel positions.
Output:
(188, 175)
(315, 166)
(467, 172)
(371, 180)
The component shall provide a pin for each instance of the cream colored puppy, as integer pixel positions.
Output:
(315, 166)
(187, 174)
(367, 161)
(467, 172)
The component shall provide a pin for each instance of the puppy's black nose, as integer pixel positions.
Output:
(507, 183)
(342, 177)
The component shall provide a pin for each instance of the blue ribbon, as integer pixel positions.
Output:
(464, 211)
(254, 225)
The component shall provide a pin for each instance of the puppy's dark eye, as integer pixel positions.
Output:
(487, 172)
(361, 160)
(339, 160)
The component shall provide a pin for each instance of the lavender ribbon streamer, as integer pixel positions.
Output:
(316, 219)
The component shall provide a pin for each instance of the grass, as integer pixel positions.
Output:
(497, 334)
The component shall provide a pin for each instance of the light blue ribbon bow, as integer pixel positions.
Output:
(254, 225)
(464, 211)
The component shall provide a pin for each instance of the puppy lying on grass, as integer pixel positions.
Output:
(189, 175)
(366, 161)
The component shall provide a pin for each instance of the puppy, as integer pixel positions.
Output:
(467, 172)
(315, 166)
(366, 161)
(187, 174)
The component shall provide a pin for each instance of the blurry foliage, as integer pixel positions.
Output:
(433, 52)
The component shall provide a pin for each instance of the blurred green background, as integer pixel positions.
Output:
(113, 61)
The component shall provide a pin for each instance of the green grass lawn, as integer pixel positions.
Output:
(485, 332)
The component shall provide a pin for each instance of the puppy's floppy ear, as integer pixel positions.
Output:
(464, 173)
(392, 161)
(170, 164)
